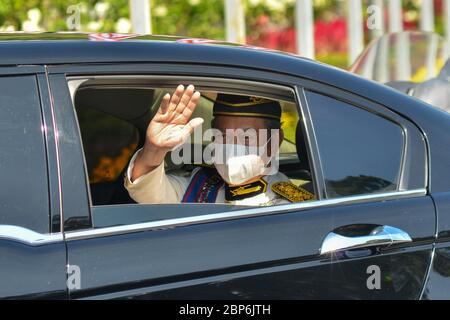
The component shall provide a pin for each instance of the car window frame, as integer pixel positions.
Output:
(204, 70)
(169, 81)
(78, 79)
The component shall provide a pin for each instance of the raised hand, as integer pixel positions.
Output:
(171, 126)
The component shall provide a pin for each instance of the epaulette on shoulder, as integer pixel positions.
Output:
(291, 192)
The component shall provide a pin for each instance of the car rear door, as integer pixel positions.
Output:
(370, 237)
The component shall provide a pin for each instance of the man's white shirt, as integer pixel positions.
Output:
(158, 187)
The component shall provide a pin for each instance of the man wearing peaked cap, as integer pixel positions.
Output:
(243, 173)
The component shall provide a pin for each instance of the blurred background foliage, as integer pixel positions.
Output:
(269, 23)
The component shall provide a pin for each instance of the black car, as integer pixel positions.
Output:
(74, 108)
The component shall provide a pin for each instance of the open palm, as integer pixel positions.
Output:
(171, 125)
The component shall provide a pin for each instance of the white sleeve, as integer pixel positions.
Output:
(155, 186)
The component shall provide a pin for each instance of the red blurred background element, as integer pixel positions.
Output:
(330, 34)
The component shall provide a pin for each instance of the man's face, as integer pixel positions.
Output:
(236, 124)
(246, 130)
(249, 131)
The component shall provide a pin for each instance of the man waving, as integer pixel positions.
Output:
(241, 175)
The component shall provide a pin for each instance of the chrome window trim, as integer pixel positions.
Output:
(58, 157)
(32, 238)
(312, 145)
(27, 236)
(239, 214)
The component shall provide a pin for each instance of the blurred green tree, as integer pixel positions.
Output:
(266, 20)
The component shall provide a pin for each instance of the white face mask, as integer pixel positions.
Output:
(237, 163)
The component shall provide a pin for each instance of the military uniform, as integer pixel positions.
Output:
(205, 185)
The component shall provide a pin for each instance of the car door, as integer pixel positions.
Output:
(32, 251)
(370, 237)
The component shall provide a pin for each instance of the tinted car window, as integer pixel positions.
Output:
(360, 152)
(24, 195)
(109, 143)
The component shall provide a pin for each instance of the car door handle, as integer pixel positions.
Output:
(378, 236)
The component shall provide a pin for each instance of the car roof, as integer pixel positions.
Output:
(61, 48)
(41, 43)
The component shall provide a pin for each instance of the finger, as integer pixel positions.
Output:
(176, 97)
(187, 95)
(189, 109)
(187, 112)
(164, 104)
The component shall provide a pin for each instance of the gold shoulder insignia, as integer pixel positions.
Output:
(291, 192)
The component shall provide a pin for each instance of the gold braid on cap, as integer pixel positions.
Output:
(254, 101)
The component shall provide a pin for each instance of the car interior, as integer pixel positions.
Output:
(114, 112)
